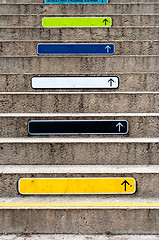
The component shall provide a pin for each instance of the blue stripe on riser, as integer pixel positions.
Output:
(75, 49)
(75, 1)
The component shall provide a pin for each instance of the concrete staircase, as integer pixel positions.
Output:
(135, 34)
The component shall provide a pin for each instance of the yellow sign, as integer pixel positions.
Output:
(77, 22)
(77, 186)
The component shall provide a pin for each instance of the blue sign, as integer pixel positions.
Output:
(75, 49)
(76, 1)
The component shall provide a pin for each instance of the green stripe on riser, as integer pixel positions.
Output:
(128, 82)
(78, 65)
(80, 34)
(26, 48)
(79, 102)
(125, 8)
(144, 125)
(79, 151)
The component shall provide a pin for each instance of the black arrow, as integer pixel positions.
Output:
(125, 182)
(105, 20)
(110, 80)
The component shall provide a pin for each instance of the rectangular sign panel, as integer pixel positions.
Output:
(76, 22)
(64, 127)
(75, 48)
(76, 1)
(74, 82)
(77, 186)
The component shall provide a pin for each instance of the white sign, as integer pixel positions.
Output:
(74, 82)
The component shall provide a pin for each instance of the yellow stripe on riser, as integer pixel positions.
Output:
(77, 185)
(79, 205)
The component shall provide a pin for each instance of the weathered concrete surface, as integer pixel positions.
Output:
(90, 221)
(76, 237)
(139, 125)
(78, 64)
(127, 82)
(147, 177)
(80, 34)
(79, 102)
(100, 151)
(82, 9)
(112, 1)
(26, 48)
(117, 20)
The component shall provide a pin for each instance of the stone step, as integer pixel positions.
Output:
(117, 20)
(80, 34)
(78, 64)
(110, 1)
(53, 9)
(77, 102)
(132, 81)
(80, 151)
(147, 177)
(140, 125)
(76, 237)
(124, 216)
(29, 48)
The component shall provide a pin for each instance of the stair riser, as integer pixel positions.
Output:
(118, 20)
(80, 34)
(121, 48)
(126, 8)
(80, 221)
(42, 1)
(147, 183)
(79, 153)
(80, 103)
(138, 126)
(78, 64)
(127, 82)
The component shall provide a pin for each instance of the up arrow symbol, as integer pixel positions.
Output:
(119, 125)
(105, 20)
(126, 183)
(107, 48)
(111, 81)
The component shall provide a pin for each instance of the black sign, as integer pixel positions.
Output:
(64, 127)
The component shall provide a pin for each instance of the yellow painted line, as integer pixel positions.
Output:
(77, 185)
(76, 205)
(77, 22)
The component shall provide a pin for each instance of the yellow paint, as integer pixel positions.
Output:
(77, 205)
(76, 186)
(77, 22)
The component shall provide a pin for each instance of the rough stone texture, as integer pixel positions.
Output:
(82, 9)
(142, 126)
(29, 48)
(117, 20)
(76, 237)
(78, 64)
(137, 72)
(127, 82)
(87, 221)
(71, 153)
(80, 34)
(80, 103)
(110, 1)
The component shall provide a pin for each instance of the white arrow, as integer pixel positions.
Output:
(119, 125)
(107, 48)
